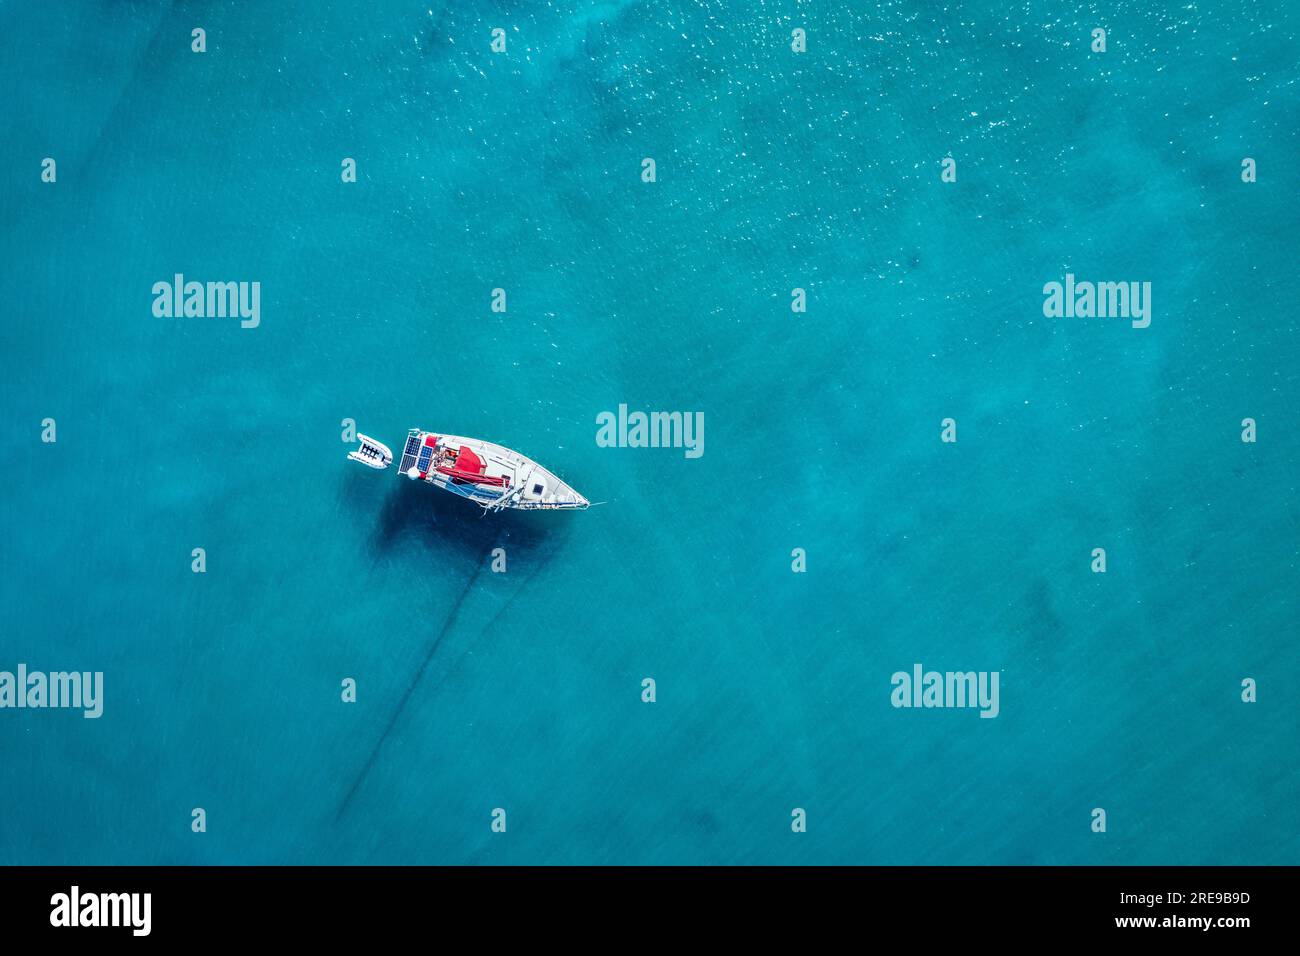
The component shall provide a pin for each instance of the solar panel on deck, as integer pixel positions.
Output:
(408, 453)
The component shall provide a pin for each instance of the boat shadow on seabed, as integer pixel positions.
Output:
(445, 525)
(453, 532)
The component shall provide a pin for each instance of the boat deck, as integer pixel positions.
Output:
(514, 480)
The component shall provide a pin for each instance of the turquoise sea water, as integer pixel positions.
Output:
(522, 690)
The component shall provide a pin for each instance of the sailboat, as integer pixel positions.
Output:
(490, 475)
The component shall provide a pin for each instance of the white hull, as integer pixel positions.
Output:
(490, 475)
(372, 454)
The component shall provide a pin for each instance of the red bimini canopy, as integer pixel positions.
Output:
(470, 467)
(469, 462)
